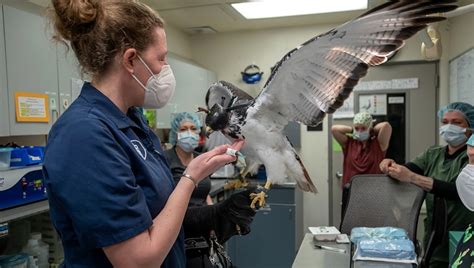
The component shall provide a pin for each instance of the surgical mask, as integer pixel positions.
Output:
(465, 186)
(361, 135)
(188, 141)
(453, 135)
(159, 88)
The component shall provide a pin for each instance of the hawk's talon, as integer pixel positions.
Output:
(236, 184)
(258, 197)
(261, 195)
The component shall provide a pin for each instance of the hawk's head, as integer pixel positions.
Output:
(218, 100)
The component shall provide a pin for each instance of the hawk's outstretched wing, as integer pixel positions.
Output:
(316, 78)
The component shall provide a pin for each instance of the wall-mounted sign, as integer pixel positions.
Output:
(373, 104)
(393, 84)
(31, 107)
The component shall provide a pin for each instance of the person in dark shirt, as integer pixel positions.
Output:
(184, 136)
(436, 171)
(111, 194)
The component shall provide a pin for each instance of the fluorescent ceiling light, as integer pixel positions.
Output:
(284, 8)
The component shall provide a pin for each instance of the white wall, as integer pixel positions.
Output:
(178, 42)
(461, 36)
(461, 39)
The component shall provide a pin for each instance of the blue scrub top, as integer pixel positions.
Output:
(106, 178)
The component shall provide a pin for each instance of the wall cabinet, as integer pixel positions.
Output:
(31, 65)
(275, 232)
(31, 62)
(34, 64)
(4, 115)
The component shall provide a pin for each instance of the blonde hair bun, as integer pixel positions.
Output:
(75, 16)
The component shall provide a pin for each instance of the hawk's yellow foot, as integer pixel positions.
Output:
(236, 184)
(260, 197)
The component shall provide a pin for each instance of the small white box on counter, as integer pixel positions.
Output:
(324, 233)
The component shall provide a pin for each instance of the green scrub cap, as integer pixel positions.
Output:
(363, 118)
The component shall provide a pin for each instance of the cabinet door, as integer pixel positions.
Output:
(31, 65)
(68, 76)
(4, 115)
(271, 242)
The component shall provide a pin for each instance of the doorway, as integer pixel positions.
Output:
(410, 111)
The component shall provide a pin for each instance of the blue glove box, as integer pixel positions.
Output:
(21, 186)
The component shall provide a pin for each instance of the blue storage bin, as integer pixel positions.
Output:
(25, 156)
(5, 153)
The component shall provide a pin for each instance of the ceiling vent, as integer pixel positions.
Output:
(201, 30)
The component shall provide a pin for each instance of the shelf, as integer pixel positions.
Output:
(24, 211)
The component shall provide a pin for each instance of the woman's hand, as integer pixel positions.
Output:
(386, 164)
(207, 163)
(400, 173)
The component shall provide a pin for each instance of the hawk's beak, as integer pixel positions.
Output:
(202, 109)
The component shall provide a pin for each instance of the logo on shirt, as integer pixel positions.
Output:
(139, 148)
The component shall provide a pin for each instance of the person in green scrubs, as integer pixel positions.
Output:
(464, 255)
(436, 170)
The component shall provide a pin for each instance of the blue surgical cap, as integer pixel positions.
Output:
(178, 120)
(470, 142)
(465, 108)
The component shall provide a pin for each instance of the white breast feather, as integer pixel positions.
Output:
(264, 137)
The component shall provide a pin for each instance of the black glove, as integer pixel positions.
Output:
(221, 217)
(233, 211)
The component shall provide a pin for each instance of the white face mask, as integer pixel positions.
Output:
(159, 88)
(453, 135)
(465, 186)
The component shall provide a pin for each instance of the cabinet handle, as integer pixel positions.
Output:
(53, 117)
(338, 175)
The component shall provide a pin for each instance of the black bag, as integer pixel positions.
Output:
(217, 255)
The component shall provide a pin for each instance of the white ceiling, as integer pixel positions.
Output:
(220, 16)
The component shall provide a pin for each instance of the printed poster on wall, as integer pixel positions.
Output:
(31, 107)
(373, 104)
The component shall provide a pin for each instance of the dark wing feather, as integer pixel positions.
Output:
(316, 78)
(223, 93)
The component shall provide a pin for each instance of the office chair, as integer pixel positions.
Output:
(438, 229)
(379, 201)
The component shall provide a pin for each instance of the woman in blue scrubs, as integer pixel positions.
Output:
(112, 197)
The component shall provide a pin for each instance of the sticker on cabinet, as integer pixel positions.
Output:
(31, 107)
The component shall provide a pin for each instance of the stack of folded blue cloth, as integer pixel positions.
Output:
(383, 244)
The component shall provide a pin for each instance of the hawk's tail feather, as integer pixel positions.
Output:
(305, 184)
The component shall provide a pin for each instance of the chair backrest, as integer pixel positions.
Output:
(379, 201)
